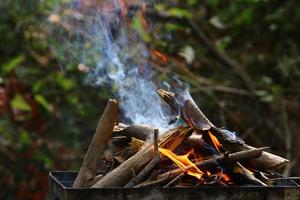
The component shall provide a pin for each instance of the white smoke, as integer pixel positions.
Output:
(98, 36)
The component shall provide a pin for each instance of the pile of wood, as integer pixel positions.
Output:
(212, 156)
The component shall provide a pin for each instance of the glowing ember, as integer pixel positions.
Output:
(183, 162)
(215, 141)
(225, 177)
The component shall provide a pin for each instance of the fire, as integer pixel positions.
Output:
(183, 162)
(225, 177)
(215, 141)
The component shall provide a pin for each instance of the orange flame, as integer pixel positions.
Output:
(183, 162)
(215, 141)
(225, 177)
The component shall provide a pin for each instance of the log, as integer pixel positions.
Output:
(217, 161)
(120, 175)
(198, 121)
(98, 144)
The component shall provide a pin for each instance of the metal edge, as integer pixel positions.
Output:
(162, 188)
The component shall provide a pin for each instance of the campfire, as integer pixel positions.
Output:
(193, 153)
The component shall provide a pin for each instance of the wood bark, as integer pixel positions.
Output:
(121, 175)
(98, 144)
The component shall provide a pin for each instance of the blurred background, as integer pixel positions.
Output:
(241, 59)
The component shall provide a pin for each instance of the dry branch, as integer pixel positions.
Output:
(120, 175)
(98, 144)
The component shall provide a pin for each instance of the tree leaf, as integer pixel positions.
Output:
(12, 64)
(178, 12)
(41, 100)
(20, 103)
(24, 138)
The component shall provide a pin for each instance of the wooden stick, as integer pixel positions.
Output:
(175, 180)
(197, 120)
(284, 178)
(98, 144)
(140, 177)
(120, 176)
(217, 161)
(242, 172)
(140, 131)
(154, 183)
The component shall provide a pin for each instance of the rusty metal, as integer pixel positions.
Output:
(60, 188)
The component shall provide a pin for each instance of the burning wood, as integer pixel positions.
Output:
(197, 120)
(215, 156)
(120, 175)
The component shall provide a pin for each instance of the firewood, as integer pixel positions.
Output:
(175, 180)
(285, 178)
(154, 183)
(94, 180)
(120, 175)
(243, 173)
(140, 131)
(217, 161)
(197, 120)
(98, 144)
(139, 178)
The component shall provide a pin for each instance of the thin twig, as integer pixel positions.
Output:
(284, 178)
(157, 182)
(224, 89)
(175, 180)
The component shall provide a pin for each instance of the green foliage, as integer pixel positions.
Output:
(138, 26)
(43, 102)
(19, 103)
(12, 64)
